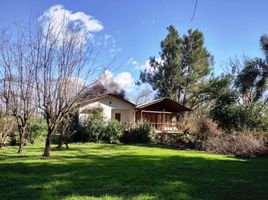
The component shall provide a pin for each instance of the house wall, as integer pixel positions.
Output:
(110, 105)
(126, 115)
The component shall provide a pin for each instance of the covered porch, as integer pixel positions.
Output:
(161, 114)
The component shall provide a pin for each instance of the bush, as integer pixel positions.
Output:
(92, 129)
(139, 134)
(113, 131)
(95, 128)
(36, 131)
(194, 131)
(243, 145)
(231, 116)
(182, 140)
(95, 125)
(204, 134)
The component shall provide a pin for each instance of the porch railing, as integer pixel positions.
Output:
(163, 127)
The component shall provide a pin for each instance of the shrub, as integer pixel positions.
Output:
(95, 124)
(92, 129)
(113, 131)
(194, 131)
(95, 128)
(36, 131)
(241, 144)
(139, 134)
(231, 116)
(182, 140)
(204, 134)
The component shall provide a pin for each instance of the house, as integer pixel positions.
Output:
(113, 106)
(160, 113)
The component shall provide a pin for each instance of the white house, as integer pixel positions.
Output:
(113, 106)
(160, 113)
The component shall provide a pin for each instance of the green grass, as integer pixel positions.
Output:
(98, 171)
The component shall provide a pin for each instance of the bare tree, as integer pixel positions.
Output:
(144, 96)
(17, 83)
(64, 63)
(6, 123)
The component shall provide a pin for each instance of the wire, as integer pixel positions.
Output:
(195, 6)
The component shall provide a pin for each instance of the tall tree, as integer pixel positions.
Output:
(196, 65)
(165, 74)
(184, 63)
(17, 83)
(252, 80)
(64, 63)
(245, 103)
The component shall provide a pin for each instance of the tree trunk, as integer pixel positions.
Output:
(20, 144)
(47, 146)
(60, 141)
(21, 140)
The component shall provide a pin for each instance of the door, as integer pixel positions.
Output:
(118, 117)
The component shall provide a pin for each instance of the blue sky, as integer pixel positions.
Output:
(135, 28)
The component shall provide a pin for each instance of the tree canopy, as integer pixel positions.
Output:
(182, 72)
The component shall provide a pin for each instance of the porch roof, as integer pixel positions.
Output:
(163, 104)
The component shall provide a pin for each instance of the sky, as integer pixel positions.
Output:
(128, 32)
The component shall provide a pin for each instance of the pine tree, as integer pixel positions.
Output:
(183, 66)
(165, 74)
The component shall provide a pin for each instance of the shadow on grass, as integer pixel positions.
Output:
(133, 176)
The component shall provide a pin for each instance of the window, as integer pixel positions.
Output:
(118, 117)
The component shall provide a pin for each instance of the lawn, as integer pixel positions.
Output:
(99, 171)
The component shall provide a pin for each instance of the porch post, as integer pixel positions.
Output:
(164, 116)
(163, 120)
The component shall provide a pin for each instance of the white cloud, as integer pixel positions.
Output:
(123, 80)
(145, 66)
(134, 63)
(131, 61)
(64, 20)
(108, 42)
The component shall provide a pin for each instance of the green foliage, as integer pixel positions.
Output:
(245, 105)
(97, 129)
(92, 128)
(36, 131)
(233, 116)
(225, 112)
(184, 63)
(95, 124)
(139, 134)
(252, 79)
(209, 90)
(113, 131)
